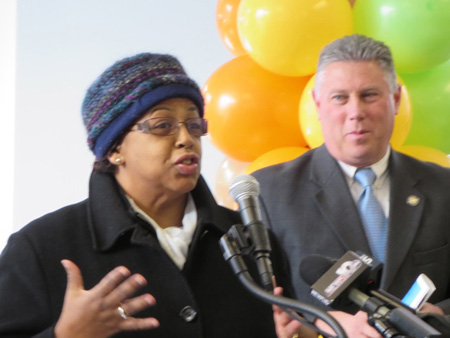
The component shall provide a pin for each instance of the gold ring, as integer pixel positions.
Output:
(295, 335)
(123, 313)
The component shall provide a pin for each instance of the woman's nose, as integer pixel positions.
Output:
(184, 137)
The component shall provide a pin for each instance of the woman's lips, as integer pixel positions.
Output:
(187, 164)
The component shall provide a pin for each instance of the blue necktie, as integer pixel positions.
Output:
(372, 215)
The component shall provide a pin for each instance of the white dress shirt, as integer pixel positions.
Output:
(381, 187)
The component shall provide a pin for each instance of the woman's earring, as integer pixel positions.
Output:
(118, 161)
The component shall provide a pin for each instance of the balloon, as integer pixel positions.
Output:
(430, 100)
(403, 119)
(250, 110)
(226, 20)
(286, 36)
(312, 130)
(228, 171)
(308, 117)
(427, 154)
(274, 157)
(417, 31)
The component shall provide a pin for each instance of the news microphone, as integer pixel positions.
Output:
(342, 281)
(245, 190)
(332, 280)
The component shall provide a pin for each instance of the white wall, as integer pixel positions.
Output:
(62, 46)
(7, 92)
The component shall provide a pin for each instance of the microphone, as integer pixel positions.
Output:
(245, 190)
(332, 280)
(343, 281)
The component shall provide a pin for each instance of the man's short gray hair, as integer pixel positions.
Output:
(357, 48)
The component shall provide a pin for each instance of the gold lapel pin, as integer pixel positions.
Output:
(413, 200)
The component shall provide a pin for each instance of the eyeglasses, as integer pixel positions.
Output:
(164, 126)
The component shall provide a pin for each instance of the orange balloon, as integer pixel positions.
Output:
(426, 154)
(312, 130)
(228, 171)
(251, 110)
(275, 156)
(226, 20)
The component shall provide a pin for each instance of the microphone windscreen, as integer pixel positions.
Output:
(244, 185)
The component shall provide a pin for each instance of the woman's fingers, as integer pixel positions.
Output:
(115, 288)
(74, 277)
(137, 304)
(133, 324)
(111, 281)
(125, 290)
(105, 309)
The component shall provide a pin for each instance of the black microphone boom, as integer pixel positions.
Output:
(245, 191)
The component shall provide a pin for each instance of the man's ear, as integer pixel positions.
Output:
(397, 98)
(316, 102)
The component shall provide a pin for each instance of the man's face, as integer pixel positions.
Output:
(357, 111)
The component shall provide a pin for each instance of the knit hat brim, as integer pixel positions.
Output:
(125, 120)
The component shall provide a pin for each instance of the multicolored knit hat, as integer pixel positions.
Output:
(127, 90)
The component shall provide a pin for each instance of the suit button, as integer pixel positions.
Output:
(188, 313)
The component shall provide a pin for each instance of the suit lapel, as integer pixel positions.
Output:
(406, 208)
(339, 208)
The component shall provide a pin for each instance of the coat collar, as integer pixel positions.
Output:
(336, 203)
(406, 209)
(110, 216)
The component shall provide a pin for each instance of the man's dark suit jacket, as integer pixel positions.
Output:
(310, 209)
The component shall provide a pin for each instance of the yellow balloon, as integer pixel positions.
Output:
(312, 129)
(403, 119)
(286, 36)
(275, 156)
(426, 154)
(309, 120)
(229, 169)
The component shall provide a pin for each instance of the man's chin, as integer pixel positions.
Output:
(363, 158)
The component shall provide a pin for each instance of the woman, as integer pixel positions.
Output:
(141, 254)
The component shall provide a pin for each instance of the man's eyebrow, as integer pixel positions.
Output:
(370, 88)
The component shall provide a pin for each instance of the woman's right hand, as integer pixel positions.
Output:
(95, 312)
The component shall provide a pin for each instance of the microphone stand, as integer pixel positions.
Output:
(231, 244)
(253, 239)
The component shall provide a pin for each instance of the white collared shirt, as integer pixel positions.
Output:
(174, 240)
(381, 187)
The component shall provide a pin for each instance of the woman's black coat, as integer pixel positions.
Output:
(204, 299)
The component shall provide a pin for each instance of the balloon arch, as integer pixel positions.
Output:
(262, 97)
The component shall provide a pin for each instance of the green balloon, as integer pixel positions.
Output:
(417, 31)
(430, 99)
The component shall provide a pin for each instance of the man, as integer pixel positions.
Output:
(312, 202)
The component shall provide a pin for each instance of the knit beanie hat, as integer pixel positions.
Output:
(127, 90)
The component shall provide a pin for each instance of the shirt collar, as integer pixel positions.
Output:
(110, 216)
(190, 212)
(379, 168)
